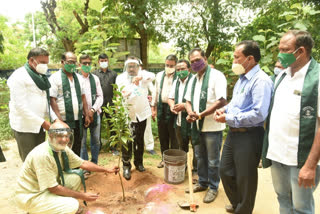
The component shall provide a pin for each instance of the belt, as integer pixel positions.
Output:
(242, 129)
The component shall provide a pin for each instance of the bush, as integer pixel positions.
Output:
(5, 129)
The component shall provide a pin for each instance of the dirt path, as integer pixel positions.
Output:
(146, 192)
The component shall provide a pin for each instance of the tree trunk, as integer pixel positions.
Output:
(144, 48)
(209, 50)
(68, 45)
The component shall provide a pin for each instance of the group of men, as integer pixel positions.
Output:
(274, 117)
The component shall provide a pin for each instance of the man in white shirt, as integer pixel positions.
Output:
(293, 125)
(135, 83)
(207, 91)
(68, 99)
(94, 96)
(160, 107)
(29, 101)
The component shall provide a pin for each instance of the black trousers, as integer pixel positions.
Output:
(166, 131)
(77, 137)
(138, 145)
(27, 141)
(238, 168)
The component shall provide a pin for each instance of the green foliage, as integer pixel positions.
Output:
(5, 129)
(269, 26)
(15, 49)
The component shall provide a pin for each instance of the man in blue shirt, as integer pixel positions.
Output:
(245, 115)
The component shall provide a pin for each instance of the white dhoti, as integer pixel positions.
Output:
(148, 136)
(47, 203)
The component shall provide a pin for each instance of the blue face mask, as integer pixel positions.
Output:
(277, 70)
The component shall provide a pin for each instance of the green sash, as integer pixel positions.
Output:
(195, 132)
(67, 96)
(41, 82)
(308, 115)
(169, 114)
(66, 168)
(185, 126)
(93, 97)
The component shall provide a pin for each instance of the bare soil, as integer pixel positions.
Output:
(145, 193)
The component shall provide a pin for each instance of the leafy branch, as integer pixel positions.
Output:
(120, 124)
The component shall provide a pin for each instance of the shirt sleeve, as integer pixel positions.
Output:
(220, 86)
(173, 90)
(188, 93)
(54, 85)
(18, 94)
(99, 99)
(261, 96)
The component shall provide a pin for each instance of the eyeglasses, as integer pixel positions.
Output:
(70, 62)
(86, 63)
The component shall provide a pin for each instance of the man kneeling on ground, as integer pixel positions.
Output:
(47, 183)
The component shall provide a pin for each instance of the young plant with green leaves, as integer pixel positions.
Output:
(119, 123)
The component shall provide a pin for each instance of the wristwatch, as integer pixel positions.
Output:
(92, 109)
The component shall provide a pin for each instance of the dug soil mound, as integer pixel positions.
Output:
(144, 193)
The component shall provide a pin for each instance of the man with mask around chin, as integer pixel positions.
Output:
(160, 107)
(47, 183)
(29, 101)
(245, 115)
(207, 91)
(292, 136)
(68, 99)
(133, 83)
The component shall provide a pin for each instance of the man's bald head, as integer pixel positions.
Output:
(59, 125)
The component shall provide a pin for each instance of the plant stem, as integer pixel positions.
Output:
(123, 196)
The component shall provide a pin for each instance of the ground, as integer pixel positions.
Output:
(145, 193)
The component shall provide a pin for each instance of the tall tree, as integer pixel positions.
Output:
(66, 26)
(142, 18)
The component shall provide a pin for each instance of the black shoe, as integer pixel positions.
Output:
(197, 188)
(140, 168)
(127, 173)
(210, 196)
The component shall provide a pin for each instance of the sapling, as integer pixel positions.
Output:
(119, 124)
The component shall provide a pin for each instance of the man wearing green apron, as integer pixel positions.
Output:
(293, 124)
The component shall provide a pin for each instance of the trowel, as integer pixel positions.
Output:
(191, 204)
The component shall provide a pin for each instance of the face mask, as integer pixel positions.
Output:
(238, 69)
(183, 74)
(169, 70)
(198, 65)
(86, 68)
(286, 59)
(277, 70)
(41, 68)
(70, 68)
(103, 65)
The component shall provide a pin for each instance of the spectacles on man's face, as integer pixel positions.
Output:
(70, 62)
(86, 63)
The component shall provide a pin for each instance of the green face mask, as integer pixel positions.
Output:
(183, 74)
(70, 67)
(286, 59)
(86, 68)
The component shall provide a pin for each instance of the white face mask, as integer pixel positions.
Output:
(103, 65)
(277, 70)
(41, 68)
(238, 69)
(169, 70)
